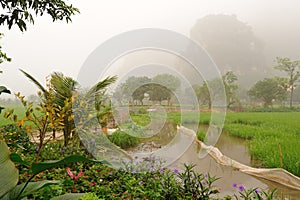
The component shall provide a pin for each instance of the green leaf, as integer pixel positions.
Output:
(9, 175)
(30, 188)
(69, 196)
(39, 167)
(4, 90)
(1, 108)
(16, 158)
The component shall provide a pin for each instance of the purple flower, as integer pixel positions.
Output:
(93, 140)
(151, 158)
(203, 182)
(241, 188)
(161, 171)
(110, 173)
(63, 150)
(256, 191)
(175, 171)
(133, 172)
(206, 175)
(141, 182)
(150, 166)
(234, 185)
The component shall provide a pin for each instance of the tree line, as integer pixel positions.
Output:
(163, 86)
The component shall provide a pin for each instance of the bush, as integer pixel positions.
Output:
(143, 110)
(123, 140)
(89, 196)
(201, 135)
(17, 139)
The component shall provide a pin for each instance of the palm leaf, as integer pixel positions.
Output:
(32, 79)
(101, 85)
(63, 87)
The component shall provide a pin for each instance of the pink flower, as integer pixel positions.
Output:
(72, 176)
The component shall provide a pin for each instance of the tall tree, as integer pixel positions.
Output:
(158, 92)
(132, 89)
(231, 88)
(232, 45)
(169, 84)
(207, 95)
(268, 90)
(292, 69)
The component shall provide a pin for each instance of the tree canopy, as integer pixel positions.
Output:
(292, 69)
(232, 45)
(158, 88)
(19, 12)
(268, 90)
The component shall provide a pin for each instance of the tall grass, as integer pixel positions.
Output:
(268, 134)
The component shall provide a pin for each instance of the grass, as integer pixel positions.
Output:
(269, 134)
(19, 110)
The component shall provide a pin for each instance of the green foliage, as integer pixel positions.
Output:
(8, 173)
(16, 138)
(143, 110)
(3, 56)
(158, 88)
(141, 119)
(3, 89)
(231, 88)
(267, 132)
(292, 69)
(268, 90)
(197, 186)
(214, 89)
(123, 139)
(21, 12)
(89, 196)
(201, 135)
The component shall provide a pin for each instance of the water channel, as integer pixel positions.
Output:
(232, 147)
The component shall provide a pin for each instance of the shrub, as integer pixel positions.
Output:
(89, 196)
(123, 140)
(201, 135)
(17, 139)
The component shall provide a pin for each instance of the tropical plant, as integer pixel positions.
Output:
(62, 92)
(10, 175)
(38, 116)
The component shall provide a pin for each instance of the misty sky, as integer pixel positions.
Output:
(48, 46)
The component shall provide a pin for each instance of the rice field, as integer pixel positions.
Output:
(273, 137)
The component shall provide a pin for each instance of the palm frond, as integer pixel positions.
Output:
(32, 79)
(101, 85)
(62, 86)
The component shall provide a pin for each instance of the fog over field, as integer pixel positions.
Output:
(47, 47)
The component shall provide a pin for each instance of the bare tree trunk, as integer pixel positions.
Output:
(53, 133)
(292, 94)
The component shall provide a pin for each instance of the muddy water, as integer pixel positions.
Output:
(236, 149)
